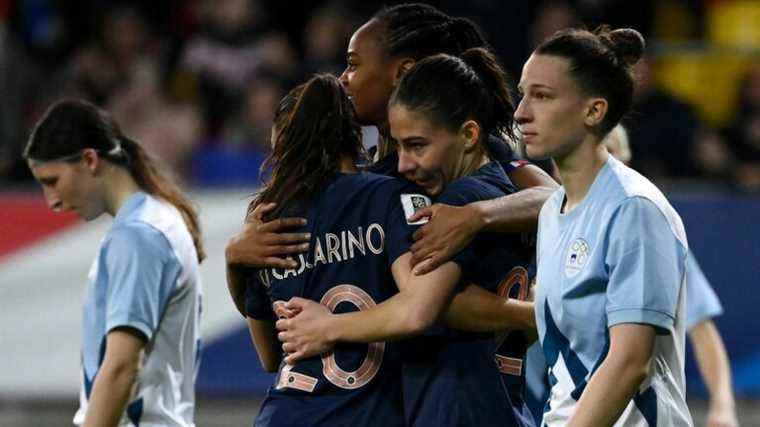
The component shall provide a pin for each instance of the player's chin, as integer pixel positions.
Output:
(432, 189)
(536, 152)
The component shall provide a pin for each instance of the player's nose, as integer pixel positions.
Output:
(53, 200)
(405, 164)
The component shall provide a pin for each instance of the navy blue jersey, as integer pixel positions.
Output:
(450, 377)
(498, 150)
(358, 227)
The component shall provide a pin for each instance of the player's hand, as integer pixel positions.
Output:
(721, 417)
(449, 230)
(264, 244)
(305, 334)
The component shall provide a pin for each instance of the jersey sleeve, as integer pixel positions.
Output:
(257, 302)
(645, 262)
(701, 301)
(142, 273)
(403, 202)
(461, 193)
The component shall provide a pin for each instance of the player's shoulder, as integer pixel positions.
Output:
(136, 237)
(488, 182)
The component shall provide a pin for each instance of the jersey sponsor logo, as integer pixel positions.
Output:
(411, 204)
(577, 256)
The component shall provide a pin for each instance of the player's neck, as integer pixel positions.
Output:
(347, 165)
(120, 187)
(471, 162)
(578, 170)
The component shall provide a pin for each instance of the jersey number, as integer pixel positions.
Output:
(518, 276)
(335, 374)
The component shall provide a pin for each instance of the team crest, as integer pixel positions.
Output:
(577, 257)
(411, 204)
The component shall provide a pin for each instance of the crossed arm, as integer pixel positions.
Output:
(420, 302)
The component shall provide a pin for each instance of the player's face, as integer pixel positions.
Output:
(368, 77)
(428, 155)
(551, 113)
(69, 186)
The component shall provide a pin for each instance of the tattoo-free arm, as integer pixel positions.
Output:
(618, 378)
(264, 337)
(420, 302)
(478, 310)
(450, 228)
(116, 378)
(711, 357)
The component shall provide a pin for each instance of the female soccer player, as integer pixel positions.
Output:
(611, 250)
(359, 247)
(378, 55)
(142, 310)
(442, 148)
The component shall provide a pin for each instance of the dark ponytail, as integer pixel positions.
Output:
(70, 126)
(601, 63)
(419, 30)
(315, 129)
(452, 90)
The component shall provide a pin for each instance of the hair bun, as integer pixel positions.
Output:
(627, 43)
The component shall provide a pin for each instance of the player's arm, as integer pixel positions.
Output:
(264, 244)
(478, 310)
(618, 378)
(451, 228)
(414, 309)
(714, 367)
(264, 337)
(116, 377)
(236, 287)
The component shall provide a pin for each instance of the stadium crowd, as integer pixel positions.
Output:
(188, 78)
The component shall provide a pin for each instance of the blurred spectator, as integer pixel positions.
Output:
(233, 45)
(325, 41)
(121, 72)
(122, 50)
(250, 129)
(551, 17)
(661, 130)
(744, 133)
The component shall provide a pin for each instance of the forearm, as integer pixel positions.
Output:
(110, 395)
(264, 338)
(236, 287)
(420, 303)
(475, 309)
(608, 393)
(394, 319)
(517, 212)
(711, 357)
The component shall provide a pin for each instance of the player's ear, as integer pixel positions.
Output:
(469, 133)
(402, 66)
(91, 160)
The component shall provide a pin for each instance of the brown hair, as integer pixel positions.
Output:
(451, 90)
(315, 128)
(601, 63)
(72, 125)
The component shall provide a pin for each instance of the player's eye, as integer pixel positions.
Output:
(49, 182)
(417, 148)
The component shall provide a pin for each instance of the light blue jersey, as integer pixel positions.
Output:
(701, 302)
(618, 257)
(146, 278)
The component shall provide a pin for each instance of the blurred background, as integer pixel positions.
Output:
(196, 82)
